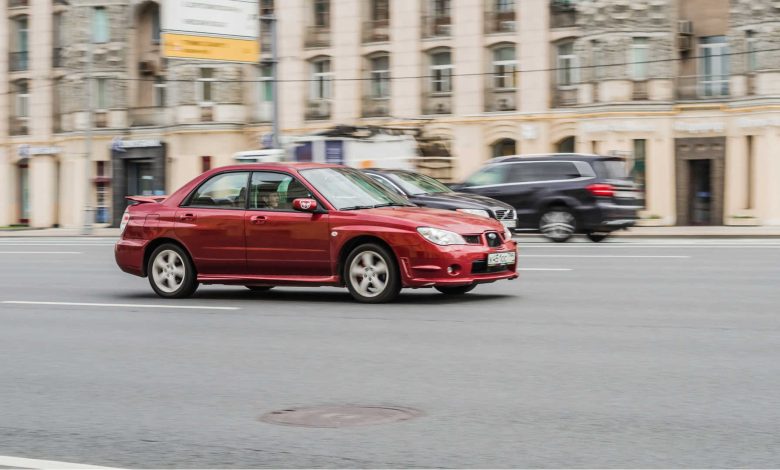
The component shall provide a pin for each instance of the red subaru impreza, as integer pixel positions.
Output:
(266, 225)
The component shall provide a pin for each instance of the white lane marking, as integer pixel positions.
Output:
(86, 304)
(40, 253)
(615, 245)
(20, 462)
(605, 256)
(544, 269)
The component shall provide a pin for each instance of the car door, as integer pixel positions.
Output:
(281, 241)
(523, 191)
(210, 223)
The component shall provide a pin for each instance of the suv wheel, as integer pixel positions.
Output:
(171, 272)
(371, 274)
(597, 236)
(557, 224)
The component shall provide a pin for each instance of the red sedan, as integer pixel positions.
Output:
(266, 225)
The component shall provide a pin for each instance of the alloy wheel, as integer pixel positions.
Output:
(557, 224)
(368, 274)
(168, 271)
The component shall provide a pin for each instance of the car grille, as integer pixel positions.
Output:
(504, 214)
(481, 267)
(472, 239)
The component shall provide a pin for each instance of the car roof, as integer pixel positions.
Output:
(389, 170)
(294, 166)
(546, 157)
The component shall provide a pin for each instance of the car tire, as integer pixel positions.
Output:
(259, 288)
(455, 290)
(597, 236)
(558, 224)
(171, 272)
(371, 274)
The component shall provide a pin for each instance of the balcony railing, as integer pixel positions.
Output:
(500, 22)
(500, 99)
(436, 26)
(317, 36)
(640, 91)
(437, 103)
(563, 14)
(148, 116)
(18, 126)
(376, 107)
(703, 87)
(18, 3)
(18, 61)
(376, 31)
(563, 97)
(57, 59)
(317, 110)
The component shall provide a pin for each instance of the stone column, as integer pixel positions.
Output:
(533, 54)
(736, 188)
(40, 38)
(7, 176)
(469, 58)
(291, 27)
(346, 63)
(43, 191)
(406, 57)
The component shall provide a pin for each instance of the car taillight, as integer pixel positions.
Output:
(125, 220)
(601, 190)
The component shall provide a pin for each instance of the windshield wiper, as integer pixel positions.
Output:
(389, 204)
(352, 208)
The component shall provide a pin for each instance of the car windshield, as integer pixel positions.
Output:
(416, 184)
(349, 189)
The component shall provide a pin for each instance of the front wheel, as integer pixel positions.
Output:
(371, 274)
(171, 273)
(557, 224)
(597, 236)
(455, 290)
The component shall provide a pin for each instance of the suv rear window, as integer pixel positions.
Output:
(614, 169)
(543, 171)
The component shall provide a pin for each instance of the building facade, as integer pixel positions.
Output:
(687, 91)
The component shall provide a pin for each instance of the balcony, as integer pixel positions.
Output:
(437, 103)
(500, 100)
(376, 107)
(500, 22)
(700, 87)
(563, 97)
(318, 110)
(18, 3)
(57, 59)
(148, 116)
(563, 14)
(436, 27)
(317, 36)
(376, 31)
(18, 126)
(18, 61)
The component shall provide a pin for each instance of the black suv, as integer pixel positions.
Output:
(561, 194)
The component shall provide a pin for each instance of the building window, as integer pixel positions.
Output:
(22, 101)
(441, 72)
(266, 83)
(156, 25)
(504, 147)
(101, 93)
(206, 85)
(322, 80)
(752, 51)
(597, 59)
(567, 65)
(565, 145)
(19, 44)
(380, 10)
(441, 8)
(100, 26)
(205, 164)
(267, 7)
(380, 77)
(638, 171)
(504, 68)
(713, 66)
(505, 6)
(322, 13)
(159, 91)
(639, 57)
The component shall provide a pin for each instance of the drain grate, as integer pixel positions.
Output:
(340, 416)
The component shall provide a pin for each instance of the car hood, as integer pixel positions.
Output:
(458, 200)
(437, 218)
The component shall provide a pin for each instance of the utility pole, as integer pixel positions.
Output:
(270, 21)
(87, 228)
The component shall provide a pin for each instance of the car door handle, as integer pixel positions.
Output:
(187, 217)
(258, 219)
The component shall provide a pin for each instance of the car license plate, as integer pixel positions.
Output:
(509, 223)
(625, 194)
(498, 259)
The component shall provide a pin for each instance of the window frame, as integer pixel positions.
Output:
(638, 69)
(187, 201)
(21, 100)
(321, 16)
(566, 63)
(508, 68)
(379, 79)
(751, 50)
(504, 6)
(160, 87)
(321, 82)
(21, 34)
(718, 49)
(320, 208)
(100, 93)
(441, 75)
(202, 82)
(100, 32)
(380, 10)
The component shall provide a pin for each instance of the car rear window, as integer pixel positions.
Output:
(613, 169)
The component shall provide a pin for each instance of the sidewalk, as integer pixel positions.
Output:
(647, 232)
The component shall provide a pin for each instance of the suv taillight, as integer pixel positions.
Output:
(601, 190)
(125, 220)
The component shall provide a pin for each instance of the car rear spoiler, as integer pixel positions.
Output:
(146, 199)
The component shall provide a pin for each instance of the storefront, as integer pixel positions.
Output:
(138, 169)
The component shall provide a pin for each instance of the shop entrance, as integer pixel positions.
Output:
(23, 188)
(700, 175)
(701, 192)
(138, 170)
(140, 178)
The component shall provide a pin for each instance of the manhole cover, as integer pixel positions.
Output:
(340, 416)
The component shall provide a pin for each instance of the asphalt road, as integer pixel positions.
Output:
(631, 353)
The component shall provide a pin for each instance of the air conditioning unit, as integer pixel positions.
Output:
(507, 26)
(444, 30)
(147, 67)
(101, 119)
(685, 27)
(684, 43)
(206, 114)
(319, 109)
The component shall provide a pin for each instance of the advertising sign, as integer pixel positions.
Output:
(225, 30)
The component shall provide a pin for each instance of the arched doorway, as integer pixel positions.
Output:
(504, 147)
(565, 145)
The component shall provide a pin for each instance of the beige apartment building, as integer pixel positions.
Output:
(687, 91)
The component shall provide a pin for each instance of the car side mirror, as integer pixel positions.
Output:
(305, 205)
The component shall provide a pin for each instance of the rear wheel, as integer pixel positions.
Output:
(171, 273)
(455, 290)
(597, 236)
(558, 224)
(371, 274)
(259, 288)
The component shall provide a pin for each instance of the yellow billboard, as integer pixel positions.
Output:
(186, 46)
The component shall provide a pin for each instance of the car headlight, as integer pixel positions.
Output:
(478, 212)
(441, 237)
(507, 234)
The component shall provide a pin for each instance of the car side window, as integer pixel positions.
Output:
(488, 176)
(543, 171)
(223, 191)
(275, 191)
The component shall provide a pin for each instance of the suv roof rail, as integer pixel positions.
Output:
(537, 155)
